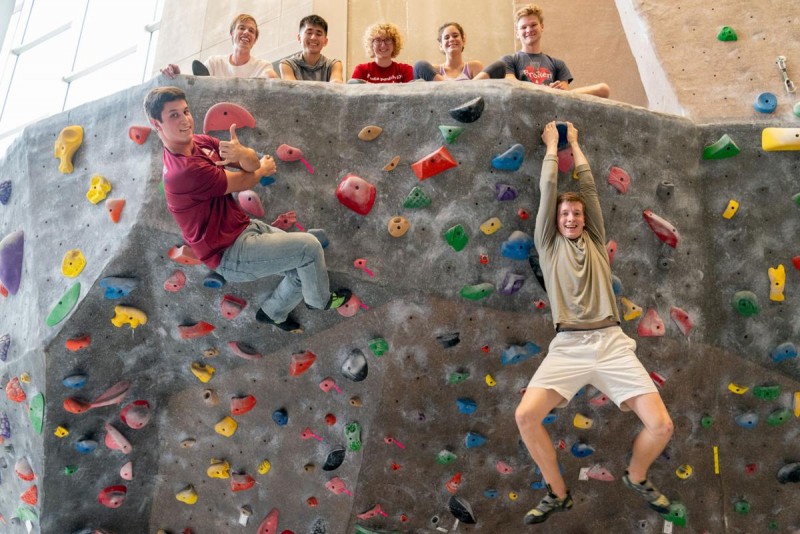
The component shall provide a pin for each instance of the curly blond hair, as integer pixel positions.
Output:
(385, 30)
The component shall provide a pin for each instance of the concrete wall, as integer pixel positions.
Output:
(413, 302)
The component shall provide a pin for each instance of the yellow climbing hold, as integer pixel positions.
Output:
(227, 426)
(219, 469)
(731, 210)
(264, 467)
(491, 382)
(73, 263)
(61, 432)
(632, 311)
(684, 471)
(739, 390)
(796, 405)
(490, 226)
(513, 495)
(98, 189)
(581, 421)
(773, 139)
(67, 144)
(25, 378)
(777, 280)
(128, 315)
(202, 371)
(187, 495)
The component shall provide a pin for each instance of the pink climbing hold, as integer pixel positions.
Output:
(434, 163)
(619, 179)
(251, 203)
(682, 320)
(285, 221)
(601, 399)
(269, 525)
(23, 469)
(665, 231)
(307, 433)
(112, 496)
(242, 405)
(328, 384)
(241, 481)
(126, 471)
(375, 511)
(598, 472)
(361, 263)
(14, 390)
(114, 207)
(112, 395)
(611, 249)
(136, 414)
(356, 193)
(351, 307)
(651, 324)
(195, 330)
(243, 350)
(231, 306)
(175, 282)
(224, 114)
(503, 468)
(289, 153)
(115, 440)
(301, 362)
(565, 160)
(139, 134)
(337, 486)
(183, 254)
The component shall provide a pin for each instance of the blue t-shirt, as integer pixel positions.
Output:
(537, 68)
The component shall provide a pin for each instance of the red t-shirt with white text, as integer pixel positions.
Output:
(394, 73)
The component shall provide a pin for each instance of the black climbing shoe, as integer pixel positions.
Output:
(655, 499)
(289, 325)
(549, 504)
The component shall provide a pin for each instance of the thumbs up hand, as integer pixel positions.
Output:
(231, 151)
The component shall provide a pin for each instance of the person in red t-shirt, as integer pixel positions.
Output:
(198, 190)
(383, 43)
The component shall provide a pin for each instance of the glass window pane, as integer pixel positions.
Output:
(121, 74)
(47, 15)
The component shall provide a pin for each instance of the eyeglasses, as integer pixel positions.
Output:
(382, 41)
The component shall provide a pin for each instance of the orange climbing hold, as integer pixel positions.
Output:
(139, 134)
(14, 390)
(453, 484)
(77, 343)
(30, 496)
(301, 362)
(198, 329)
(183, 254)
(114, 207)
(242, 405)
(434, 163)
(224, 114)
(241, 481)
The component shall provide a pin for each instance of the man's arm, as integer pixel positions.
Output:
(287, 73)
(233, 152)
(595, 224)
(244, 180)
(548, 188)
(337, 72)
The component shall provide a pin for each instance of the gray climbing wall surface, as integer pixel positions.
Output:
(433, 418)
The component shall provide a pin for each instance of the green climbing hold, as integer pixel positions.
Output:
(796, 109)
(727, 34)
(36, 412)
(796, 198)
(416, 199)
(64, 305)
(706, 421)
(778, 417)
(27, 514)
(457, 237)
(445, 457)
(70, 469)
(353, 434)
(746, 303)
(359, 529)
(477, 291)
(456, 377)
(767, 392)
(724, 148)
(450, 133)
(676, 514)
(378, 346)
(773, 525)
(741, 507)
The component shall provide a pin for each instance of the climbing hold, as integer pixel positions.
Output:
(73, 263)
(723, 148)
(601, 399)
(188, 494)
(242, 405)
(5, 343)
(476, 291)
(195, 330)
(128, 315)
(285, 221)
(490, 381)
(747, 420)
(334, 459)
(434, 163)
(328, 384)
(581, 421)
(67, 144)
(231, 306)
(726, 33)
(665, 189)
(280, 417)
(665, 231)
(473, 439)
(398, 226)
(78, 343)
(23, 469)
(11, 248)
(561, 127)
(766, 103)
(117, 287)
(355, 401)
(351, 307)
(370, 133)
(445, 457)
(269, 525)
(523, 214)
(64, 305)
(36, 412)
(778, 417)
(264, 467)
(183, 254)
(511, 159)
(512, 283)
(706, 421)
(136, 414)
(5, 192)
(139, 134)
(378, 346)
(416, 199)
(731, 210)
(681, 320)
(651, 324)
(789, 473)
(98, 189)
(251, 203)
(505, 192)
(14, 390)
(676, 514)
(619, 179)
(115, 440)
(483, 259)
(746, 303)
(241, 481)
(777, 280)
(352, 432)
(461, 510)
(357, 194)
(611, 250)
(784, 351)
(456, 237)
(565, 160)
(737, 389)
(290, 153)
(631, 310)
(202, 371)
(243, 350)
(518, 246)
(112, 496)
(392, 164)
(450, 133)
(210, 397)
(598, 472)
(213, 280)
(741, 507)
(219, 469)
(469, 111)
(226, 426)
(684, 471)
(767, 392)
(114, 207)
(448, 340)
(330, 419)
(336, 485)
(503, 468)
(30, 495)
(490, 226)
(515, 354)
(85, 446)
(222, 115)
(466, 405)
(581, 450)
(301, 362)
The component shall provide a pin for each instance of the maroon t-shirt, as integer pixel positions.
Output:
(394, 73)
(195, 189)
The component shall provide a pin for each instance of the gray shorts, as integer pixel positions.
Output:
(605, 358)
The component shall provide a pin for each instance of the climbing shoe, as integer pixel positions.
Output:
(289, 325)
(549, 504)
(336, 300)
(655, 499)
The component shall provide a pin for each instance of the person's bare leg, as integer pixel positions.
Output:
(531, 411)
(653, 438)
(599, 89)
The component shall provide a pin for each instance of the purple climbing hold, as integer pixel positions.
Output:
(5, 426)
(512, 283)
(505, 192)
(5, 192)
(11, 260)
(5, 342)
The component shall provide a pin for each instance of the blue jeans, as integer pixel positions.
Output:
(262, 250)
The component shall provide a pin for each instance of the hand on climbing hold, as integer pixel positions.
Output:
(572, 134)
(560, 84)
(268, 167)
(550, 136)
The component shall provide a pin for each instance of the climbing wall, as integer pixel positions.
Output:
(153, 400)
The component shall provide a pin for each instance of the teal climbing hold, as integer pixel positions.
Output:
(519, 353)
(416, 199)
(767, 392)
(746, 303)
(64, 305)
(457, 237)
(36, 412)
(778, 417)
(24, 513)
(117, 287)
(450, 133)
(766, 103)
(466, 405)
(796, 109)
(445, 457)
(741, 507)
(511, 159)
(724, 148)
(473, 439)
(784, 351)
(727, 34)
(352, 432)
(747, 420)
(676, 514)
(477, 291)
(456, 377)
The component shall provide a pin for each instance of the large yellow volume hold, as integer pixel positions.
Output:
(67, 144)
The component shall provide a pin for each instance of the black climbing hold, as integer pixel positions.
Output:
(789, 473)
(448, 340)
(533, 259)
(469, 112)
(665, 189)
(461, 510)
(334, 459)
(355, 366)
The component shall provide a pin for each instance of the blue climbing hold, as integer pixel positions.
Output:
(562, 134)
(467, 406)
(280, 416)
(267, 180)
(5, 426)
(117, 287)
(518, 246)
(491, 493)
(784, 351)
(616, 285)
(473, 439)
(213, 280)
(11, 248)
(511, 159)
(538, 484)
(76, 381)
(747, 420)
(85, 446)
(766, 103)
(5, 192)
(549, 418)
(581, 450)
(518, 353)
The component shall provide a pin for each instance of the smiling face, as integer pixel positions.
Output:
(529, 33)
(383, 47)
(451, 40)
(313, 39)
(244, 33)
(176, 126)
(571, 219)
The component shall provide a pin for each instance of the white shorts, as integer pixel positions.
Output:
(605, 358)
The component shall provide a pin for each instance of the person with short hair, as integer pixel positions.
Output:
(452, 40)
(589, 346)
(240, 63)
(383, 43)
(310, 64)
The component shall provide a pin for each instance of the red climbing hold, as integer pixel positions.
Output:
(23, 469)
(651, 324)
(222, 115)
(251, 203)
(375, 511)
(349, 308)
(682, 320)
(330, 419)
(175, 282)
(523, 214)
(183, 254)
(243, 350)
(136, 414)
(285, 221)
(114, 207)
(619, 179)
(796, 262)
(356, 193)
(611, 249)
(231, 306)
(301, 362)
(241, 481)
(565, 160)
(434, 163)
(242, 405)
(198, 329)
(453, 484)
(30, 496)
(3, 290)
(112, 496)
(139, 134)
(14, 390)
(77, 343)
(665, 231)
(269, 525)
(73, 405)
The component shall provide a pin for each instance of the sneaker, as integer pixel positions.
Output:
(549, 504)
(289, 325)
(655, 499)
(338, 298)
